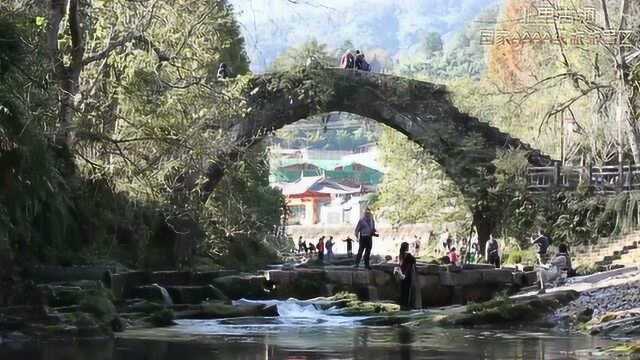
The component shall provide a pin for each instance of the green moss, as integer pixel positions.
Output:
(162, 318)
(503, 310)
(99, 304)
(351, 305)
(628, 349)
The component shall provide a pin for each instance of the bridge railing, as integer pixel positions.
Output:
(602, 179)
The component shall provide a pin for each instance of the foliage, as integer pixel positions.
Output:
(162, 318)
(569, 217)
(309, 53)
(525, 257)
(336, 131)
(148, 119)
(432, 43)
(244, 204)
(415, 189)
(395, 27)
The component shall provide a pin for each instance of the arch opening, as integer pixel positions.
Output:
(464, 146)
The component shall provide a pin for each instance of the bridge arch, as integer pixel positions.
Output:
(464, 146)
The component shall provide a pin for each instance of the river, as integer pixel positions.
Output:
(303, 332)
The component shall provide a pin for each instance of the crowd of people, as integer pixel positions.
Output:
(449, 250)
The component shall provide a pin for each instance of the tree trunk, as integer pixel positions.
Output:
(67, 77)
(485, 226)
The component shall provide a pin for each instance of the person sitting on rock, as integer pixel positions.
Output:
(312, 248)
(360, 62)
(557, 270)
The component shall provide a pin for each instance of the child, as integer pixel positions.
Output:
(454, 258)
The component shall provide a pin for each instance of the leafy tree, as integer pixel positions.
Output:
(415, 189)
(311, 52)
(432, 43)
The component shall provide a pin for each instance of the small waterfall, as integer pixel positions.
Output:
(305, 312)
(287, 309)
(166, 298)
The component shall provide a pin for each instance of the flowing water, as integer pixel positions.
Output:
(303, 331)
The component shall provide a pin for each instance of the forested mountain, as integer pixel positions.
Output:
(399, 28)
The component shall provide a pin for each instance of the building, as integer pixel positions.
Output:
(308, 197)
(349, 169)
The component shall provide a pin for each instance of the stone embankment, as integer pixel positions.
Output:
(439, 285)
(609, 303)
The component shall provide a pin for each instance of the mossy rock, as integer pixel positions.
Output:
(352, 306)
(100, 305)
(162, 318)
(627, 349)
(506, 310)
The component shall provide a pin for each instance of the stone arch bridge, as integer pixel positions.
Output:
(464, 146)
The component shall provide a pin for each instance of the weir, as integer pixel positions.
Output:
(439, 285)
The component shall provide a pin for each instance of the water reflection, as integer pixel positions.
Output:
(362, 343)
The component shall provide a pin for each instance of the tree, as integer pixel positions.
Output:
(310, 52)
(415, 189)
(432, 43)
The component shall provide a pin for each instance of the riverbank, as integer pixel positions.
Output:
(600, 304)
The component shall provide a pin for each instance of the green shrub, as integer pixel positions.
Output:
(524, 257)
(162, 318)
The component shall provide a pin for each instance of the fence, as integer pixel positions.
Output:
(602, 179)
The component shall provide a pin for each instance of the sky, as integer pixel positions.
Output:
(397, 26)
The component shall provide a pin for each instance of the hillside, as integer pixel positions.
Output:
(271, 26)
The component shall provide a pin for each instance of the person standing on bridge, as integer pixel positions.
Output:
(365, 231)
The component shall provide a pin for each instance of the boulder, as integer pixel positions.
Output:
(508, 310)
(162, 318)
